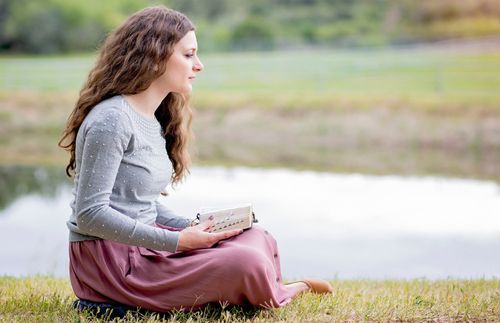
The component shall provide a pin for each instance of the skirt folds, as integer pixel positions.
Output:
(242, 270)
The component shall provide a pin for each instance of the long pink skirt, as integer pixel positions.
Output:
(242, 270)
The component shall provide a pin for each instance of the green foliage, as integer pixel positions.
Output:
(253, 33)
(51, 26)
(48, 26)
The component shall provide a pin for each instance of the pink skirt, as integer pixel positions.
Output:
(242, 270)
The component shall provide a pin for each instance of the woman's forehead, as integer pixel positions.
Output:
(188, 41)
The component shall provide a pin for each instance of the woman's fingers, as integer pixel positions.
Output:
(218, 236)
(226, 234)
(196, 237)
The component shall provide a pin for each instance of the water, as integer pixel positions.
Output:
(327, 225)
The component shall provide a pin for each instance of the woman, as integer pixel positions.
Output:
(129, 132)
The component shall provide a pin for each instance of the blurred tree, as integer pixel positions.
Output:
(253, 33)
(210, 10)
(35, 26)
(5, 40)
(45, 26)
(48, 26)
(430, 20)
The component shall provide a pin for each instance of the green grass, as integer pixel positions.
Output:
(42, 299)
(322, 78)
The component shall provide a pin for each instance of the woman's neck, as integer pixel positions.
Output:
(145, 102)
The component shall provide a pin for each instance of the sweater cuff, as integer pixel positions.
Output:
(171, 240)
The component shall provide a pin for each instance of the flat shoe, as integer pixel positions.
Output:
(318, 286)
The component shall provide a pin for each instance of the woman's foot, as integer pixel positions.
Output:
(314, 285)
(318, 286)
(297, 287)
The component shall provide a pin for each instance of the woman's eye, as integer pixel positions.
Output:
(189, 55)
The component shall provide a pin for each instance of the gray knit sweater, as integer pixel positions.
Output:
(121, 167)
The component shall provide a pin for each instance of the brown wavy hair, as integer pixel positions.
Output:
(131, 58)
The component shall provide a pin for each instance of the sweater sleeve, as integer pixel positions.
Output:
(169, 218)
(106, 138)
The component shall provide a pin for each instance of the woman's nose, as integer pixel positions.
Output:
(198, 66)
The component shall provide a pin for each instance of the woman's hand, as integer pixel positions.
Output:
(197, 237)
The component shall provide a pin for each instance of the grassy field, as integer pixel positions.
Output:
(402, 111)
(41, 299)
(302, 79)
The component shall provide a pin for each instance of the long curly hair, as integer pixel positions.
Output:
(131, 58)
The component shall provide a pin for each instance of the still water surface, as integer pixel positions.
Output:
(327, 225)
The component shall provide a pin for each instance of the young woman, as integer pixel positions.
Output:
(128, 138)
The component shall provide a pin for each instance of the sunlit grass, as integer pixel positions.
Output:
(43, 299)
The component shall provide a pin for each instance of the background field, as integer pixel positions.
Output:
(298, 79)
(426, 110)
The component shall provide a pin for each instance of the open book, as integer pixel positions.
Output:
(239, 217)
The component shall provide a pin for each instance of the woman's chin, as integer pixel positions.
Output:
(186, 90)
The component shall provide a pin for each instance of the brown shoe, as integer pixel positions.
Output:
(318, 286)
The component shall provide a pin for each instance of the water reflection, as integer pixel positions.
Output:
(327, 225)
(16, 181)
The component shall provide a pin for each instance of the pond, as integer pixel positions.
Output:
(327, 225)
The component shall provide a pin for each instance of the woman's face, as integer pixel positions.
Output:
(182, 66)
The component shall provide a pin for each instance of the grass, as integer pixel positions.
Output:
(299, 79)
(43, 299)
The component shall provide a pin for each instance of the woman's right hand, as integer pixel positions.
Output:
(197, 237)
